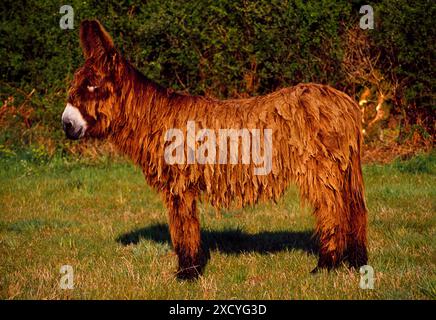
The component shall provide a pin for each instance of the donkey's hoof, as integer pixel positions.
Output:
(190, 273)
(358, 258)
(315, 270)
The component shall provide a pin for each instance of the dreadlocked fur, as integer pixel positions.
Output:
(316, 136)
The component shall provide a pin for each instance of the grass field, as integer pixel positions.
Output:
(106, 223)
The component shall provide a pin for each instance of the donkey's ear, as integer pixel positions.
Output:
(94, 39)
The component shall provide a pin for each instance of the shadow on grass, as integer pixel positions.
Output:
(231, 241)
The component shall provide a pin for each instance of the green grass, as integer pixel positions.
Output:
(111, 227)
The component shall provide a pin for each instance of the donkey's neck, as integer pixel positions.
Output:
(142, 105)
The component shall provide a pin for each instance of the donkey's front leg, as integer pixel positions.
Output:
(185, 234)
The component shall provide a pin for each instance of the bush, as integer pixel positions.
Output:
(406, 36)
(422, 163)
(222, 48)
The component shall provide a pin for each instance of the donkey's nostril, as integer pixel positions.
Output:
(67, 125)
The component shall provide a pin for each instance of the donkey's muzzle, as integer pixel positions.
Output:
(73, 123)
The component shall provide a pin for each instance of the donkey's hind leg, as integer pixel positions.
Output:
(353, 195)
(331, 219)
(331, 231)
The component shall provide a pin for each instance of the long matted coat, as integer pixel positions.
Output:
(316, 142)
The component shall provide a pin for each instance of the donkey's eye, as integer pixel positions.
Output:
(92, 88)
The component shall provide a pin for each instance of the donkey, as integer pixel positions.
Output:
(315, 143)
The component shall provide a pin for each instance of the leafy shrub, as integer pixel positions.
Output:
(222, 48)
(423, 163)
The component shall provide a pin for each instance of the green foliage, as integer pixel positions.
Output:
(405, 35)
(424, 163)
(223, 48)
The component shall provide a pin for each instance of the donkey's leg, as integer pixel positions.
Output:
(353, 196)
(331, 218)
(185, 234)
(332, 234)
(357, 254)
(340, 211)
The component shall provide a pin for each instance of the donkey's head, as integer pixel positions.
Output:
(94, 94)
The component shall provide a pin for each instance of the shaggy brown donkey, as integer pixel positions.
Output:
(312, 137)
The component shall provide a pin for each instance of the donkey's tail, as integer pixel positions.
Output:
(353, 195)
